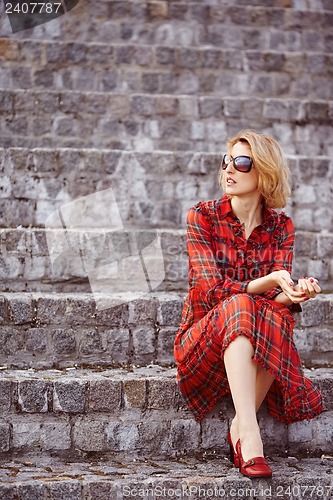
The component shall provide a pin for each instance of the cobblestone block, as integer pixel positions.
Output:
(169, 311)
(153, 437)
(313, 313)
(142, 311)
(36, 340)
(90, 434)
(11, 342)
(143, 344)
(26, 434)
(302, 434)
(103, 491)
(3, 310)
(70, 396)
(118, 344)
(122, 436)
(157, 10)
(105, 395)
(69, 489)
(5, 395)
(135, 393)
(184, 435)
(210, 106)
(4, 437)
(161, 394)
(166, 105)
(63, 341)
(91, 342)
(21, 310)
(143, 105)
(50, 311)
(32, 491)
(33, 396)
(213, 433)
(165, 55)
(56, 435)
(112, 312)
(166, 338)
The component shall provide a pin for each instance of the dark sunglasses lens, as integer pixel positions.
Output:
(243, 163)
(225, 161)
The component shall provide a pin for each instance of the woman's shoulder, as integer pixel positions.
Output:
(279, 219)
(212, 207)
(205, 206)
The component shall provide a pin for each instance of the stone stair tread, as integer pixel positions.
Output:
(71, 329)
(133, 412)
(123, 23)
(71, 65)
(149, 373)
(185, 477)
(44, 119)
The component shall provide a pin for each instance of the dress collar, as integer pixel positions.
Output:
(224, 209)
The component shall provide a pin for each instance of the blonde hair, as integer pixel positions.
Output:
(272, 168)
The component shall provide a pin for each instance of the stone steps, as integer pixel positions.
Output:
(39, 118)
(150, 189)
(210, 477)
(50, 330)
(135, 412)
(191, 23)
(166, 69)
(61, 260)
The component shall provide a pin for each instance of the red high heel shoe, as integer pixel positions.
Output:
(233, 455)
(255, 467)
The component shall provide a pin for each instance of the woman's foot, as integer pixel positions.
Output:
(254, 467)
(251, 444)
(234, 434)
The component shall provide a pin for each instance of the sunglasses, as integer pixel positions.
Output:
(241, 163)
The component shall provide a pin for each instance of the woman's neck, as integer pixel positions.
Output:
(248, 210)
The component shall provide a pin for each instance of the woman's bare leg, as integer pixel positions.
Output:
(249, 384)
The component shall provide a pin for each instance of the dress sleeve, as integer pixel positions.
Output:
(209, 277)
(283, 256)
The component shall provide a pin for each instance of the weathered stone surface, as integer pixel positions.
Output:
(33, 396)
(122, 436)
(4, 436)
(90, 434)
(135, 392)
(143, 344)
(105, 395)
(70, 396)
(56, 435)
(161, 394)
(5, 395)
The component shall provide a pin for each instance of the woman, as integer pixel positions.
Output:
(236, 331)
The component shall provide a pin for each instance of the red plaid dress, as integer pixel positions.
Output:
(218, 309)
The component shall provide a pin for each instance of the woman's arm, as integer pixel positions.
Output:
(277, 278)
(209, 277)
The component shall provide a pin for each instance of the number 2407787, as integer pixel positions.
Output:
(33, 8)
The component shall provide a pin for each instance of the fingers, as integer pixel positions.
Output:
(309, 286)
(296, 296)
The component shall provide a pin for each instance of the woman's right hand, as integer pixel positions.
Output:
(283, 280)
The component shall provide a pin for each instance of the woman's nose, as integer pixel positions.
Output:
(230, 167)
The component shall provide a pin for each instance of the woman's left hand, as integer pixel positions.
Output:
(309, 286)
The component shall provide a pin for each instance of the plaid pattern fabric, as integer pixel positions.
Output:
(217, 309)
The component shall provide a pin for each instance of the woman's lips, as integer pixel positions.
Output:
(230, 181)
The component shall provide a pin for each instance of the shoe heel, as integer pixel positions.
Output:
(256, 467)
(232, 454)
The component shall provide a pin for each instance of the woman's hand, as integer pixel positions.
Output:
(294, 293)
(309, 286)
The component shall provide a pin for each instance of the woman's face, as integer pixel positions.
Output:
(240, 183)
